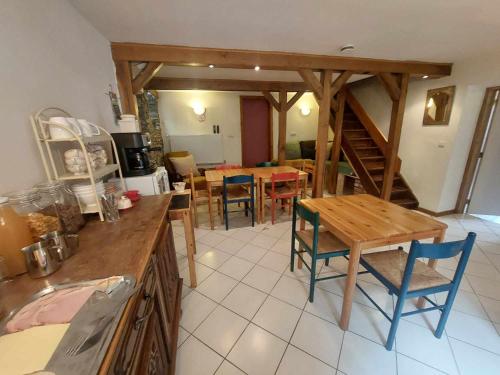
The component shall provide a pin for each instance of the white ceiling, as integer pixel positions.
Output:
(426, 30)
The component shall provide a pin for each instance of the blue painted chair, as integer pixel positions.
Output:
(407, 277)
(238, 189)
(317, 242)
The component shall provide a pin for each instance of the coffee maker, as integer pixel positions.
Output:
(133, 151)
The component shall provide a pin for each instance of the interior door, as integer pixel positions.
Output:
(256, 130)
(484, 200)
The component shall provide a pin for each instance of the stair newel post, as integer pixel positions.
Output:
(337, 140)
(398, 106)
(322, 136)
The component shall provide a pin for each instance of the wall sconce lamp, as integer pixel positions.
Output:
(200, 111)
(305, 111)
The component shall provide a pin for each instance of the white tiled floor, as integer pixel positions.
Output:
(250, 314)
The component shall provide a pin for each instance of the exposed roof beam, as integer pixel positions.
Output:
(247, 59)
(145, 75)
(163, 83)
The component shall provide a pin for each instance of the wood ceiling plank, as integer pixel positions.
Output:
(248, 59)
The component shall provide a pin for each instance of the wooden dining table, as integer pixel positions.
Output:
(364, 222)
(262, 175)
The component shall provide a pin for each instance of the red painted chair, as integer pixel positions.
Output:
(284, 186)
(227, 166)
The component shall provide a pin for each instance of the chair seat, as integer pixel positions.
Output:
(238, 192)
(327, 242)
(281, 190)
(391, 265)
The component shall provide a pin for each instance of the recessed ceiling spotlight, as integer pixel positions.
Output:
(257, 68)
(425, 77)
(211, 66)
(347, 48)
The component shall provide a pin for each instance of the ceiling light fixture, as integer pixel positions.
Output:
(257, 68)
(211, 66)
(347, 48)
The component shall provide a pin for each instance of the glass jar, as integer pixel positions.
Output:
(41, 218)
(64, 203)
(14, 235)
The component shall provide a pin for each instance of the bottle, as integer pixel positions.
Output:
(14, 235)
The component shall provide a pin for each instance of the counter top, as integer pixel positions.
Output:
(106, 249)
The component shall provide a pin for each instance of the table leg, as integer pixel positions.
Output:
(350, 285)
(257, 200)
(304, 188)
(210, 213)
(262, 201)
(432, 263)
(190, 247)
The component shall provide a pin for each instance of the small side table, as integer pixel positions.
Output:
(181, 209)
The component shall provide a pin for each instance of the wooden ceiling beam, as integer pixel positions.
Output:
(390, 84)
(270, 98)
(312, 82)
(164, 83)
(248, 59)
(340, 81)
(145, 75)
(293, 100)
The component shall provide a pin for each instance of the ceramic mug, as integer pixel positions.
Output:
(124, 203)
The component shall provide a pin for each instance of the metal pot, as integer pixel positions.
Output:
(64, 245)
(41, 259)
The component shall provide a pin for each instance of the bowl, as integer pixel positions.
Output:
(179, 186)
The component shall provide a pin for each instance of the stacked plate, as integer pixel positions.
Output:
(85, 192)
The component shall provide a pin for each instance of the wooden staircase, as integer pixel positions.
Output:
(365, 147)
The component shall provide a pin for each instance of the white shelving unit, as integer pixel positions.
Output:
(49, 153)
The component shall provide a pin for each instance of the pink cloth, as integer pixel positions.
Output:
(55, 308)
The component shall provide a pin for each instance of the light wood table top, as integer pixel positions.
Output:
(217, 176)
(363, 222)
(372, 221)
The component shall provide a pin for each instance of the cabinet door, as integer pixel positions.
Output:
(153, 358)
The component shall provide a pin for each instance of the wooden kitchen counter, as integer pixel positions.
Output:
(139, 244)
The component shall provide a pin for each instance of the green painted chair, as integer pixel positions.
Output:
(266, 164)
(317, 242)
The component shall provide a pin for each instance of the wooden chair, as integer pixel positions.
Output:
(317, 242)
(227, 166)
(407, 277)
(284, 186)
(234, 191)
(200, 196)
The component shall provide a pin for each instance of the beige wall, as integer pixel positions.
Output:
(434, 157)
(50, 56)
(223, 109)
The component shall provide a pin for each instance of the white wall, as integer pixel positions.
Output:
(434, 157)
(223, 109)
(51, 56)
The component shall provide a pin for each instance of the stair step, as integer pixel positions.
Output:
(362, 148)
(380, 178)
(376, 168)
(359, 138)
(373, 158)
(406, 202)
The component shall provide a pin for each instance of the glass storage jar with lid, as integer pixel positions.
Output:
(41, 218)
(62, 200)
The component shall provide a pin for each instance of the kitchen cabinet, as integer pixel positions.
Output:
(150, 342)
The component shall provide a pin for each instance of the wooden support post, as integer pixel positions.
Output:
(398, 108)
(145, 75)
(313, 82)
(124, 80)
(337, 140)
(282, 127)
(322, 136)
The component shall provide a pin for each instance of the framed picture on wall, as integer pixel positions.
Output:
(438, 106)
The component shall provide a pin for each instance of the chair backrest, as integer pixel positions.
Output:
(309, 216)
(227, 166)
(439, 251)
(266, 164)
(285, 177)
(242, 179)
